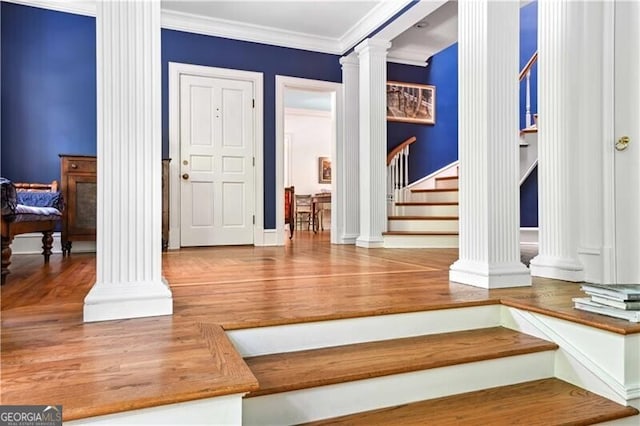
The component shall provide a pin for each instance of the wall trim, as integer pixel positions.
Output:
(431, 176)
(236, 30)
(31, 243)
(282, 83)
(175, 71)
(529, 236)
(307, 112)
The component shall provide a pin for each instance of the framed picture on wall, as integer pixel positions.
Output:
(324, 170)
(411, 103)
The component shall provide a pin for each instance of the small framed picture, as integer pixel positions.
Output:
(324, 170)
(411, 103)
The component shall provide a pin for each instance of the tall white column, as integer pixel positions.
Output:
(488, 34)
(129, 260)
(558, 89)
(372, 55)
(350, 173)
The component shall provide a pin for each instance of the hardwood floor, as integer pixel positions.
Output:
(50, 357)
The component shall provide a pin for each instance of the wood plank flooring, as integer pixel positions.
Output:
(48, 356)
(557, 403)
(326, 366)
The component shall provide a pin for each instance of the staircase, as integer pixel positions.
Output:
(417, 368)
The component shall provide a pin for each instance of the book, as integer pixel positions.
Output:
(586, 304)
(620, 304)
(617, 291)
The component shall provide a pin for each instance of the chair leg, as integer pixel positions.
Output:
(47, 243)
(6, 257)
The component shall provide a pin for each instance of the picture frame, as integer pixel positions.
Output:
(324, 170)
(411, 103)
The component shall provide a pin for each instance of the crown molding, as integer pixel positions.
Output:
(85, 8)
(247, 32)
(408, 57)
(179, 21)
(373, 20)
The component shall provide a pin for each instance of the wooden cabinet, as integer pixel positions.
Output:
(78, 183)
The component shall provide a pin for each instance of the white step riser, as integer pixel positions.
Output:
(423, 225)
(322, 334)
(420, 241)
(427, 210)
(435, 197)
(446, 183)
(335, 400)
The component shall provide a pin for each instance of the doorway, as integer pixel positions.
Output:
(333, 91)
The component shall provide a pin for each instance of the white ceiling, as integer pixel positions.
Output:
(329, 26)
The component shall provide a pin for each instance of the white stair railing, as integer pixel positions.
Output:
(398, 175)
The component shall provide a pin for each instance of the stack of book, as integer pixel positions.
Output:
(614, 300)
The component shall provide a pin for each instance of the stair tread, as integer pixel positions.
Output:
(415, 217)
(289, 371)
(436, 190)
(421, 203)
(426, 233)
(447, 178)
(540, 402)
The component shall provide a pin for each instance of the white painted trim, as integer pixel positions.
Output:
(603, 360)
(529, 170)
(432, 176)
(223, 410)
(305, 405)
(408, 19)
(406, 61)
(529, 236)
(560, 269)
(297, 337)
(267, 237)
(282, 83)
(85, 8)
(307, 112)
(177, 69)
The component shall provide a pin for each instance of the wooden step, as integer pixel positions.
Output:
(420, 239)
(291, 371)
(423, 223)
(447, 182)
(438, 195)
(425, 209)
(540, 402)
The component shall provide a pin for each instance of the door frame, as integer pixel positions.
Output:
(283, 83)
(176, 70)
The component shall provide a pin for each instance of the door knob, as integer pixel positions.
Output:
(622, 143)
(185, 176)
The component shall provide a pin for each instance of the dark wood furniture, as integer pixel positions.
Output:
(12, 228)
(289, 209)
(79, 188)
(317, 214)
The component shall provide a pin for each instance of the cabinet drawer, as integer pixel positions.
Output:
(82, 165)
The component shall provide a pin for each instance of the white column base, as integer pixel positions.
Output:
(558, 268)
(348, 239)
(369, 242)
(484, 275)
(127, 300)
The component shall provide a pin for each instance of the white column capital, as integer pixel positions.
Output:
(351, 60)
(373, 46)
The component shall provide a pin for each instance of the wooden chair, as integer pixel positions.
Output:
(13, 225)
(303, 210)
(289, 208)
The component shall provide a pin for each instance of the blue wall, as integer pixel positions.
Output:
(196, 49)
(48, 103)
(436, 145)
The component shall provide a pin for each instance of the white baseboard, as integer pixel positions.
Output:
(32, 244)
(529, 236)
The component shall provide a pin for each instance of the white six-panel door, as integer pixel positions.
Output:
(216, 161)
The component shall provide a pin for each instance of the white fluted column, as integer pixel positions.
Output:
(488, 34)
(558, 58)
(129, 261)
(372, 55)
(349, 178)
